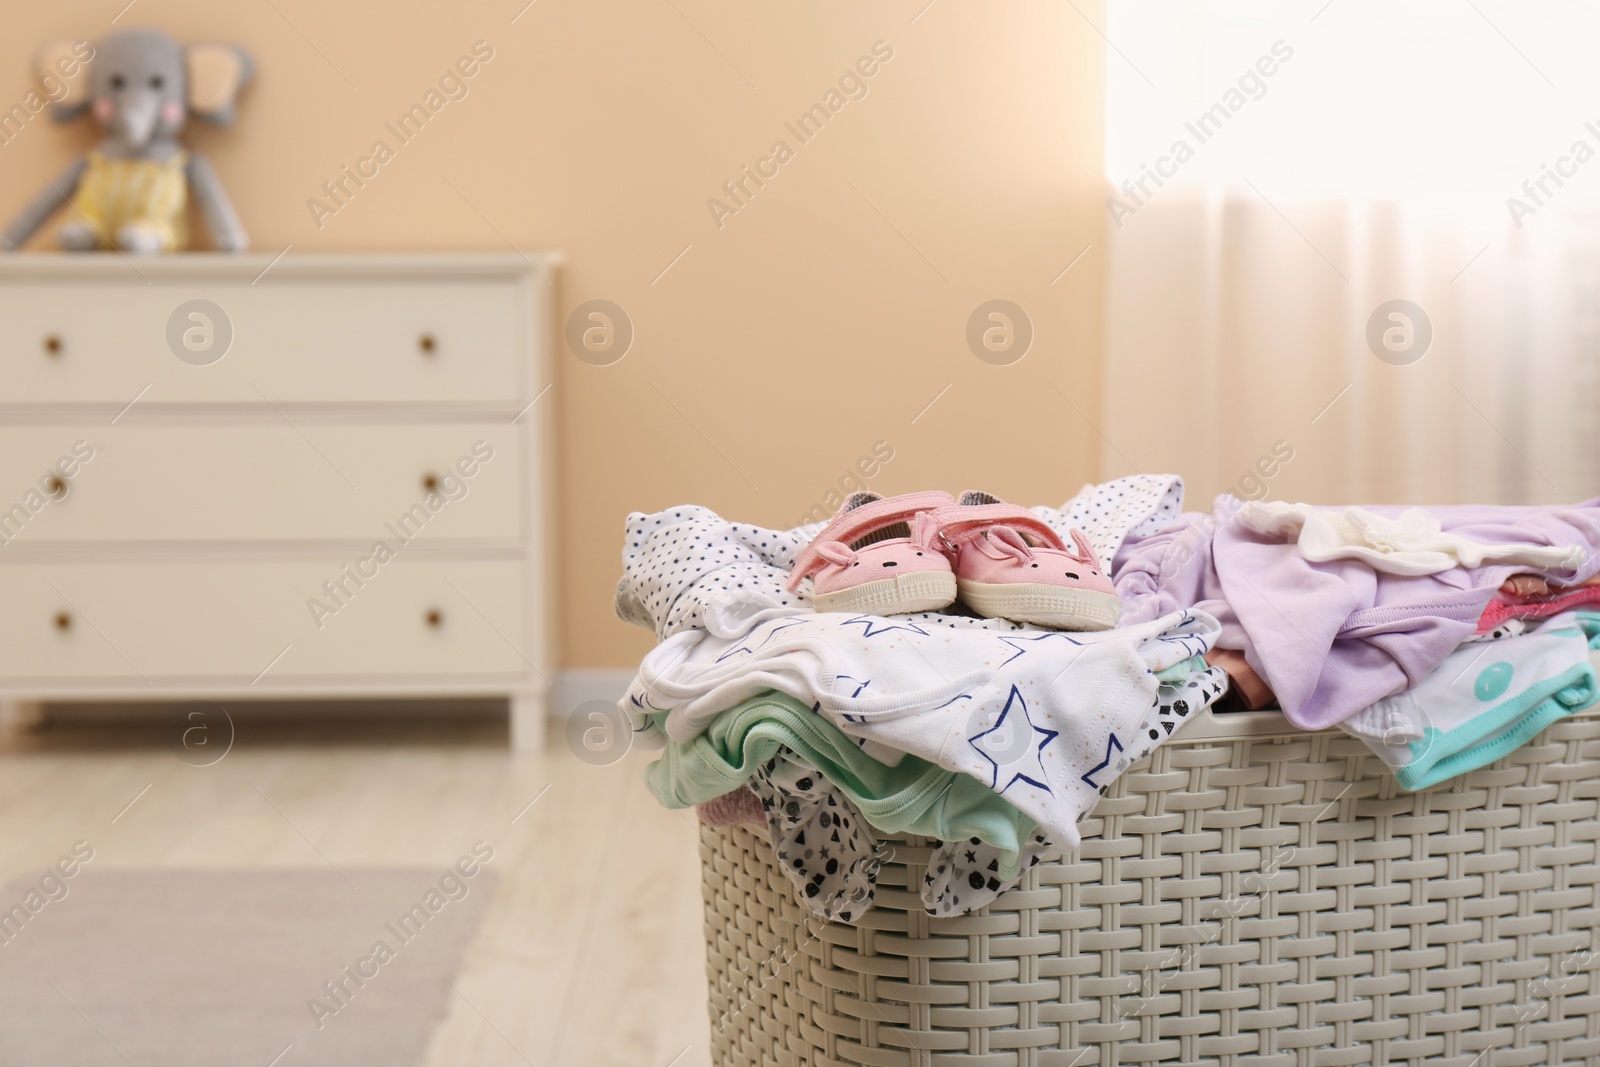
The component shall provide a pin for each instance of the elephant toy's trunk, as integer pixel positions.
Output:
(135, 121)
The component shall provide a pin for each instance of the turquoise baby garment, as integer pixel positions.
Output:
(1486, 700)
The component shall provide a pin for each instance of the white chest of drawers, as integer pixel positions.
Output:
(331, 478)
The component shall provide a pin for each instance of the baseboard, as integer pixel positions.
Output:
(574, 688)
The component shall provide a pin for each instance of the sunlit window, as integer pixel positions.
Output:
(1409, 100)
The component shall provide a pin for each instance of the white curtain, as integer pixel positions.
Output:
(1241, 288)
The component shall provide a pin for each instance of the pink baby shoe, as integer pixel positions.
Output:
(880, 557)
(1011, 565)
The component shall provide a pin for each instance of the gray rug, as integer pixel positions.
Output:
(180, 968)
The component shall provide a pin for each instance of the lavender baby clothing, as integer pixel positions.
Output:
(1330, 638)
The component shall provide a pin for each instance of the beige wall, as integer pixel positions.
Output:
(817, 321)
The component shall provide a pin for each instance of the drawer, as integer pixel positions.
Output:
(411, 341)
(167, 622)
(212, 481)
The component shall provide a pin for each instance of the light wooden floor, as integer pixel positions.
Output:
(591, 952)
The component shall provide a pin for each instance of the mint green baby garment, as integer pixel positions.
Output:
(1483, 702)
(912, 797)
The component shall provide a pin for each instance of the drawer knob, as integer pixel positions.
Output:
(63, 621)
(434, 618)
(55, 486)
(430, 481)
(52, 344)
(427, 344)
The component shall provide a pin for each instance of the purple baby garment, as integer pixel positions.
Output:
(1332, 638)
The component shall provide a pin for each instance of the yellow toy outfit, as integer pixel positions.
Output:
(149, 193)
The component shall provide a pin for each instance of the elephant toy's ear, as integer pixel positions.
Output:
(62, 68)
(216, 73)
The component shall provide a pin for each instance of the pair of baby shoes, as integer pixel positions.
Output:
(923, 551)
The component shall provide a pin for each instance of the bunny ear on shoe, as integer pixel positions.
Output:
(1085, 551)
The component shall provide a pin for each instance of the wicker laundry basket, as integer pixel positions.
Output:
(1249, 895)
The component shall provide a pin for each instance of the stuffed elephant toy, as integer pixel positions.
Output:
(131, 192)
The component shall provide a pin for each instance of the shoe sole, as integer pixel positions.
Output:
(901, 595)
(1044, 605)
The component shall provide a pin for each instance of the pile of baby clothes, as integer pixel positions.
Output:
(992, 737)
(996, 739)
(1443, 637)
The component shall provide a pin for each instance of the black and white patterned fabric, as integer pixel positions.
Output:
(832, 855)
(823, 844)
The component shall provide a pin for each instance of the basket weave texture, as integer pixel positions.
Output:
(1270, 899)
